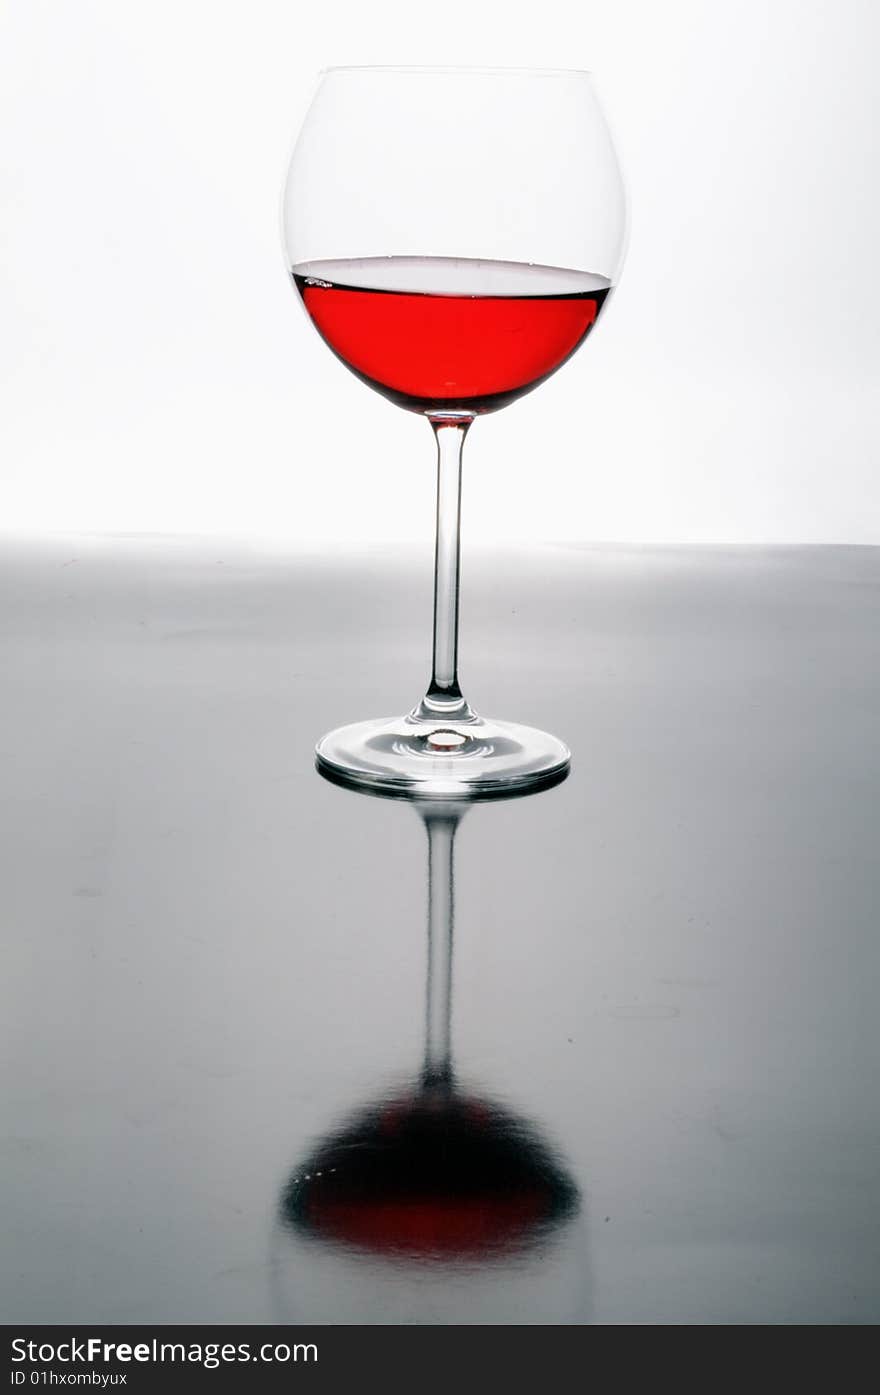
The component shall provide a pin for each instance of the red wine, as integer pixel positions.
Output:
(434, 334)
(433, 1174)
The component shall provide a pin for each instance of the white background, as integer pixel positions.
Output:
(158, 375)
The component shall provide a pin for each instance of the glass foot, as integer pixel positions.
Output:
(436, 759)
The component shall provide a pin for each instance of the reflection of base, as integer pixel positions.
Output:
(443, 759)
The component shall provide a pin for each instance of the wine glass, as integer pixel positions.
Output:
(454, 234)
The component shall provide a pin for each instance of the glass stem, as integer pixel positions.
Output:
(444, 698)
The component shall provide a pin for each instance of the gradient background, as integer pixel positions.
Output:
(668, 964)
(159, 375)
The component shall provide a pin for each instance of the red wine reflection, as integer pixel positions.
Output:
(436, 1172)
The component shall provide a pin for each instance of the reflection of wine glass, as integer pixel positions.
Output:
(454, 234)
(435, 1201)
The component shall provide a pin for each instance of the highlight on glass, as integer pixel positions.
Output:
(454, 235)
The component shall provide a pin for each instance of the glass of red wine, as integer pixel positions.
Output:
(454, 234)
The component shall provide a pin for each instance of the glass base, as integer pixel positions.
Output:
(437, 759)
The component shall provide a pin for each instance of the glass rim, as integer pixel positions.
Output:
(464, 70)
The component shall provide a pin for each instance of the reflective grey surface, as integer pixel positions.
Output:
(665, 968)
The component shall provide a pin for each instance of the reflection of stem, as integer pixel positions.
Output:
(440, 827)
